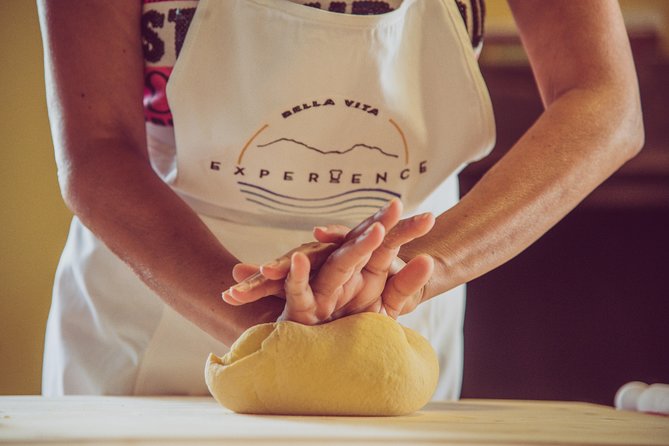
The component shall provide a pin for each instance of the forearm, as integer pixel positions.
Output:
(581, 139)
(118, 196)
(94, 95)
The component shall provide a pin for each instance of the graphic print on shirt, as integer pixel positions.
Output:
(329, 156)
(164, 27)
(165, 23)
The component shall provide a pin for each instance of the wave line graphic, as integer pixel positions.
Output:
(322, 206)
(352, 191)
(336, 211)
(330, 152)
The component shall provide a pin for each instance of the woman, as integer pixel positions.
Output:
(278, 107)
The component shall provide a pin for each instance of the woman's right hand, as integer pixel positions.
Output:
(353, 278)
(256, 282)
(354, 287)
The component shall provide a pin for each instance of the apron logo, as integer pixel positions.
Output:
(334, 157)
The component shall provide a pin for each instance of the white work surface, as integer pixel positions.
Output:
(182, 420)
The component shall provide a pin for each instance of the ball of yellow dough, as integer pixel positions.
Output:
(364, 364)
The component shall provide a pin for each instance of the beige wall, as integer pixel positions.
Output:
(33, 218)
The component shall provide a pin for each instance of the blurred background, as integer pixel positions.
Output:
(581, 312)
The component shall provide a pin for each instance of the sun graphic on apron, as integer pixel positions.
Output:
(329, 156)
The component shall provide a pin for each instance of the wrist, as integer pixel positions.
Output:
(445, 275)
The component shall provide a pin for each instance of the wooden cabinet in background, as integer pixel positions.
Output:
(586, 308)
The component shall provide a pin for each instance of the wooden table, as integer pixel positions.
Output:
(186, 420)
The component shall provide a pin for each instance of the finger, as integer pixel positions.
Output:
(228, 296)
(396, 266)
(403, 291)
(259, 285)
(368, 298)
(359, 305)
(316, 252)
(381, 262)
(410, 228)
(252, 288)
(300, 302)
(342, 263)
(229, 299)
(388, 216)
(405, 231)
(242, 271)
(331, 233)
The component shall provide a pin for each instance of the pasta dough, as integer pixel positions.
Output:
(364, 364)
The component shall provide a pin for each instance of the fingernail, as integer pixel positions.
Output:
(227, 296)
(242, 286)
(367, 231)
(384, 208)
(321, 228)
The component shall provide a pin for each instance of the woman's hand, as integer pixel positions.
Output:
(353, 278)
(257, 282)
(401, 284)
(338, 284)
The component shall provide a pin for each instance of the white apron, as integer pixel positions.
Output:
(286, 117)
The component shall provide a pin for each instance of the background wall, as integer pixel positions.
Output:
(34, 220)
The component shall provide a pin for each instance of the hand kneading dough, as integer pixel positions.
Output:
(365, 364)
